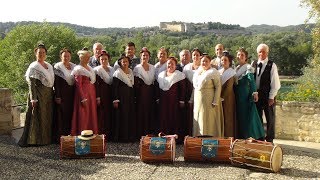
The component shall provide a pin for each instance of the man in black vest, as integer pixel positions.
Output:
(268, 84)
(185, 58)
(94, 60)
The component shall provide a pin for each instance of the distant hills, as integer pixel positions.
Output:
(264, 28)
(5, 27)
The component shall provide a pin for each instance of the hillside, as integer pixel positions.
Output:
(264, 28)
(5, 27)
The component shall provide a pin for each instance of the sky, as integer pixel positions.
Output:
(141, 13)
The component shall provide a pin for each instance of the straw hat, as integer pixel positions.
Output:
(86, 135)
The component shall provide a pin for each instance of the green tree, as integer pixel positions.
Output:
(308, 88)
(16, 52)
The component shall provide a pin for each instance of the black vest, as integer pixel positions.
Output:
(265, 80)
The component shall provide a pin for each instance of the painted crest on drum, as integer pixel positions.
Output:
(82, 147)
(157, 145)
(209, 148)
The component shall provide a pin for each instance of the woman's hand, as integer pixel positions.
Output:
(181, 104)
(98, 102)
(84, 103)
(34, 104)
(115, 105)
(57, 100)
(255, 97)
(190, 104)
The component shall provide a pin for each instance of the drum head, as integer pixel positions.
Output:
(276, 161)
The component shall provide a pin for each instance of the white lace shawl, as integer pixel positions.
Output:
(146, 76)
(243, 70)
(201, 76)
(37, 71)
(165, 82)
(189, 72)
(103, 74)
(128, 79)
(80, 70)
(61, 71)
(226, 75)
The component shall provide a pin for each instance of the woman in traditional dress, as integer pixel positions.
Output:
(171, 99)
(124, 124)
(64, 93)
(189, 70)
(248, 120)
(208, 114)
(227, 94)
(145, 96)
(38, 123)
(85, 103)
(103, 84)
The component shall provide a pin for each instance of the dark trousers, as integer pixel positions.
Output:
(270, 114)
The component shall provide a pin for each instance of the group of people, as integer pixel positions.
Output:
(133, 98)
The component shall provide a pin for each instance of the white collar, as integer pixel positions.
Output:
(146, 76)
(265, 61)
(227, 74)
(128, 79)
(165, 82)
(103, 74)
(80, 70)
(201, 76)
(61, 71)
(243, 70)
(37, 71)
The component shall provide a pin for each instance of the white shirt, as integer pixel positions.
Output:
(218, 62)
(274, 77)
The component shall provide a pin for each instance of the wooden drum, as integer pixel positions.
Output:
(158, 149)
(93, 148)
(258, 154)
(207, 148)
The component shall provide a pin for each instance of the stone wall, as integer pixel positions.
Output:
(298, 121)
(5, 111)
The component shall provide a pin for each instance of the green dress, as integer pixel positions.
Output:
(248, 120)
(38, 122)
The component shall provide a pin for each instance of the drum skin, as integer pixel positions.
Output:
(97, 148)
(193, 145)
(167, 157)
(258, 154)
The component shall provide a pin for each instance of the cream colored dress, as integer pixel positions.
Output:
(208, 119)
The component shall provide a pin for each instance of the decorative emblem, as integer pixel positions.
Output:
(82, 147)
(262, 158)
(209, 148)
(157, 145)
